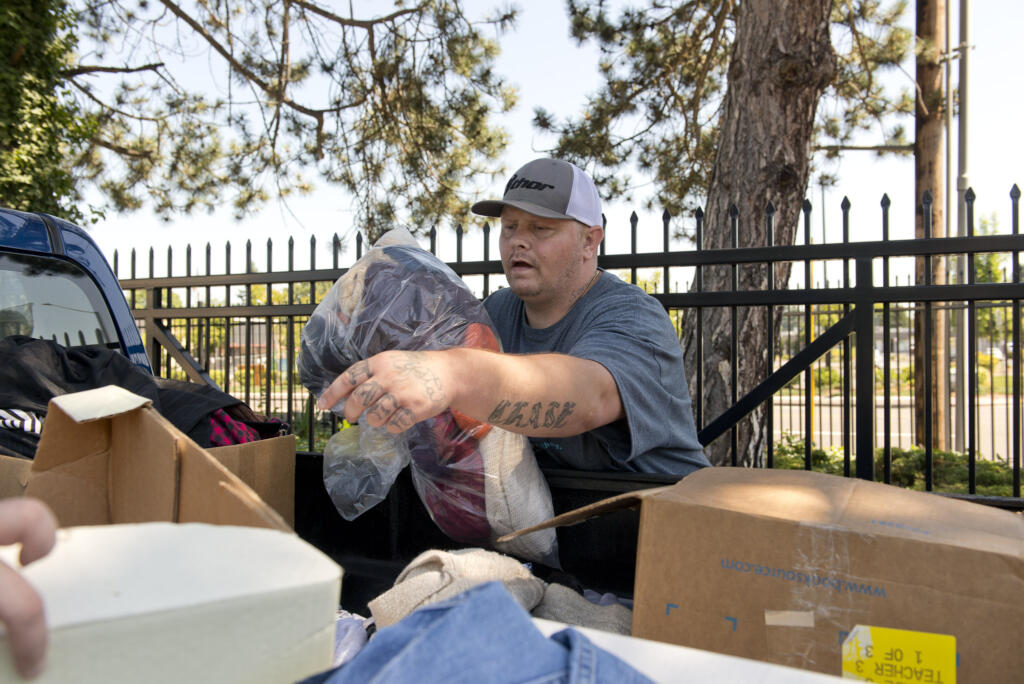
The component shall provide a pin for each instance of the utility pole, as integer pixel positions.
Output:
(928, 160)
(961, 220)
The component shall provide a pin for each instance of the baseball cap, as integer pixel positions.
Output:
(551, 188)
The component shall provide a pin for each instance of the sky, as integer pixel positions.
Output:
(551, 70)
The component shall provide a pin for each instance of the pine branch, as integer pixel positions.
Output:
(367, 24)
(95, 68)
(316, 114)
(122, 150)
(115, 110)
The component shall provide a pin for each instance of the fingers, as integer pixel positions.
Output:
(393, 389)
(21, 611)
(384, 410)
(30, 522)
(344, 384)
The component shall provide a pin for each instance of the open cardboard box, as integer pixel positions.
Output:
(781, 565)
(268, 467)
(106, 456)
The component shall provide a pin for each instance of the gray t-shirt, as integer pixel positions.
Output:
(628, 332)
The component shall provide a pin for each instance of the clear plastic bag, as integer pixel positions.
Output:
(360, 465)
(478, 482)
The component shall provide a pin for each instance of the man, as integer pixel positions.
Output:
(594, 371)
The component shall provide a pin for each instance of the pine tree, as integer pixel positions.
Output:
(718, 102)
(198, 105)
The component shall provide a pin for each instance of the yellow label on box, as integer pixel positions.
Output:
(879, 654)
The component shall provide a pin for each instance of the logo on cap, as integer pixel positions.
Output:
(520, 182)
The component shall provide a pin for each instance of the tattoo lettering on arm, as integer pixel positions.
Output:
(550, 417)
(516, 415)
(567, 409)
(534, 421)
(540, 415)
(495, 417)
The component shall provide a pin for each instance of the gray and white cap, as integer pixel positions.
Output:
(551, 188)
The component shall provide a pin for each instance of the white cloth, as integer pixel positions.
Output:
(434, 576)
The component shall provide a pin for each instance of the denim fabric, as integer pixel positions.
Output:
(481, 635)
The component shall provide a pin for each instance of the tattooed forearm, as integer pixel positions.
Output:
(567, 409)
(522, 414)
(515, 416)
(498, 410)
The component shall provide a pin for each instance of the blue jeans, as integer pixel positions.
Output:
(481, 635)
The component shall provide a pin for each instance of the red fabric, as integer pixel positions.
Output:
(225, 430)
(451, 474)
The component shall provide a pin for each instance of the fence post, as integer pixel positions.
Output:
(864, 325)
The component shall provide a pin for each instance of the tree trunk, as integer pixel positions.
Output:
(929, 175)
(782, 61)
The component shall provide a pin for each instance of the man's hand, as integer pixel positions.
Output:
(31, 523)
(396, 389)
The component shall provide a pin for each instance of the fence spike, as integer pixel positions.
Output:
(1015, 192)
(734, 211)
(699, 214)
(665, 218)
(845, 204)
(927, 198)
(886, 202)
(806, 206)
(769, 208)
(969, 195)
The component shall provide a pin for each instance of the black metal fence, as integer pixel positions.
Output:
(837, 341)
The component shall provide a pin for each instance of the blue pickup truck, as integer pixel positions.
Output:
(56, 284)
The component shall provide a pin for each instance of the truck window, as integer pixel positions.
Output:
(52, 299)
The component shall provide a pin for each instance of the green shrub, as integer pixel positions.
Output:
(950, 469)
(827, 377)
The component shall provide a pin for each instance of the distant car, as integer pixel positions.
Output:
(55, 284)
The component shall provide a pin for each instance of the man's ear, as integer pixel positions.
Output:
(592, 237)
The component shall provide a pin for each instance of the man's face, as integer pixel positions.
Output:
(542, 258)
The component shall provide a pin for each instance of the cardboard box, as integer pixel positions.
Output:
(13, 475)
(268, 467)
(781, 565)
(106, 456)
